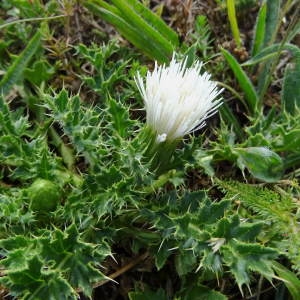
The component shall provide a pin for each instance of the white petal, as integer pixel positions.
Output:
(178, 99)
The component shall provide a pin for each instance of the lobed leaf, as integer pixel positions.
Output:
(201, 292)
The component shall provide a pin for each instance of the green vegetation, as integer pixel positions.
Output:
(87, 197)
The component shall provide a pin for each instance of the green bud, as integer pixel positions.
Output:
(44, 195)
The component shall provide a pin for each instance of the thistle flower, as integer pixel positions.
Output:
(177, 99)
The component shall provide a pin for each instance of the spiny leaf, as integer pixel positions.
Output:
(201, 292)
(34, 283)
(73, 255)
(119, 117)
(242, 257)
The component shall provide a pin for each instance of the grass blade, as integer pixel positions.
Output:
(130, 16)
(290, 279)
(291, 86)
(294, 31)
(155, 21)
(271, 29)
(15, 71)
(270, 52)
(259, 34)
(139, 26)
(230, 119)
(244, 81)
(233, 22)
(132, 34)
(272, 21)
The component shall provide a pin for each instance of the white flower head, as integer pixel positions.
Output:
(178, 99)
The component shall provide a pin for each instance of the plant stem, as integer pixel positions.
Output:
(30, 20)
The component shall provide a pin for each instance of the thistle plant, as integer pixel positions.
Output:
(178, 99)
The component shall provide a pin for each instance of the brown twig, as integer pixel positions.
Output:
(121, 271)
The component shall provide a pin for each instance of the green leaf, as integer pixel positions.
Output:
(291, 85)
(244, 81)
(155, 21)
(40, 71)
(242, 258)
(162, 255)
(265, 202)
(292, 161)
(272, 20)
(12, 123)
(133, 28)
(201, 292)
(261, 162)
(53, 286)
(192, 201)
(17, 251)
(18, 259)
(271, 51)
(272, 208)
(185, 262)
(45, 166)
(82, 125)
(233, 229)
(259, 31)
(293, 32)
(120, 120)
(225, 227)
(233, 22)
(160, 294)
(211, 212)
(291, 280)
(271, 30)
(229, 117)
(17, 68)
(35, 283)
(151, 33)
(76, 257)
(204, 161)
(290, 141)
(60, 101)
